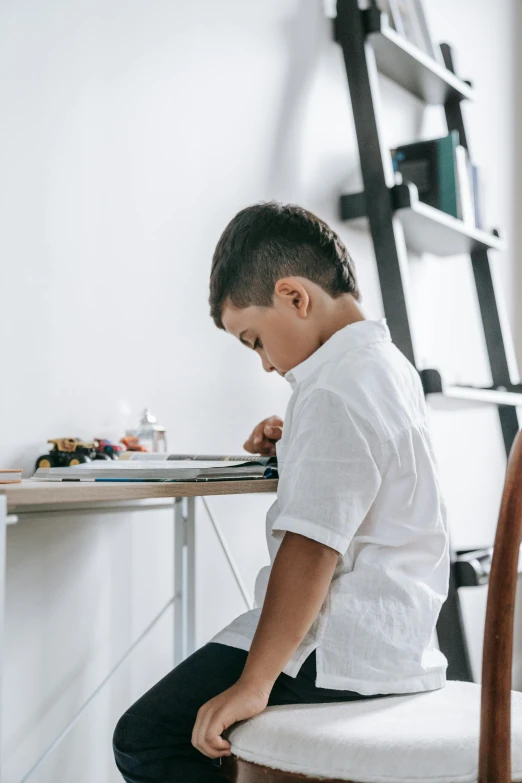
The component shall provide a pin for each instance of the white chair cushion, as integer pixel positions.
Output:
(419, 738)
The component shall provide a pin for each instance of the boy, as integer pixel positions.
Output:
(357, 536)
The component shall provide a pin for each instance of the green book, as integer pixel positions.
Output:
(447, 173)
(431, 166)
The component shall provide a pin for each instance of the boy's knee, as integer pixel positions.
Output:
(130, 738)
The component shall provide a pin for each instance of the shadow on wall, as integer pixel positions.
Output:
(305, 36)
(314, 152)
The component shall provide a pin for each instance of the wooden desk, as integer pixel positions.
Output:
(31, 497)
(29, 494)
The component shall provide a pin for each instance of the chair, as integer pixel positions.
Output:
(461, 734)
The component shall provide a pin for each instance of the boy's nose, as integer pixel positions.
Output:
(267, 367)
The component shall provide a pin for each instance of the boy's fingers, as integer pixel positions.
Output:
(215, 729)
(200, 727)
(195, 732)
(257, 434)
(210, 742)
(256, 442)
(217, 743)
(268, 430)
(254, 447)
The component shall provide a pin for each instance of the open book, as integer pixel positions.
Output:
(165, 467)
(163, 456)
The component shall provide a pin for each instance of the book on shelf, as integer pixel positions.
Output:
(431, 166)
(444, 176)
(466, 205)
(476, 181)
(165, 468)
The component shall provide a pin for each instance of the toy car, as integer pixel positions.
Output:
(132, 443)
(106, 449)
(65, 452)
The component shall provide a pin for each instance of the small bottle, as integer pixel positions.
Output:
(151, 434)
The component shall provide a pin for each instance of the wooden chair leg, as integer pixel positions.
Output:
(238, 771)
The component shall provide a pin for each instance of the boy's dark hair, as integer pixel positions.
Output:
(266, 242)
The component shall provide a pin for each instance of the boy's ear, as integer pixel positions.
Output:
(291, 293)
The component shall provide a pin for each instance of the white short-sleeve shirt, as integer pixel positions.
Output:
(357, 473)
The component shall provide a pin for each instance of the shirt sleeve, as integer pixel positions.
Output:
(330, 474)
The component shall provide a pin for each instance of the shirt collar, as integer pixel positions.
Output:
(354, 335)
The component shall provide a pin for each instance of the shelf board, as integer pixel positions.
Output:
(414, 70)
(428, 230)
(483, 396)
(471, 396)
(455, 395)
(473, 568)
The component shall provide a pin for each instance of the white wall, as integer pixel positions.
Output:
(131, 133)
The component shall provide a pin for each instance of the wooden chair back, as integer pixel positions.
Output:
(495, 717)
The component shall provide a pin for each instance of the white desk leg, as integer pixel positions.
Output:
(184, 578)
(190, 545)
(179, 588)
(3, 529)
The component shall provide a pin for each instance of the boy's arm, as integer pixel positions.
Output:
(298, 585)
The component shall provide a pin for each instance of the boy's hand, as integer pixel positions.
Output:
(239, 702)
(264, 437)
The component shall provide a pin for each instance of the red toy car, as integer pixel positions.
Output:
(106, 449)
(132, 443)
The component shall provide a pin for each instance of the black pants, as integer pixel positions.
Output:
(152, 741)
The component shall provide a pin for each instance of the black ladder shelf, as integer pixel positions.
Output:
(370, 46)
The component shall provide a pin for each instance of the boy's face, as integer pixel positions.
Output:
(283, 335)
